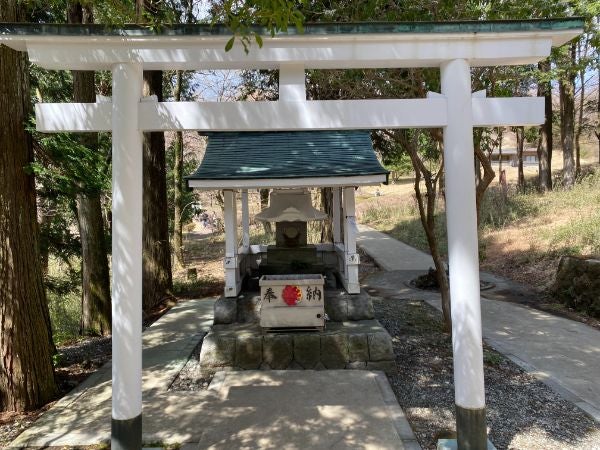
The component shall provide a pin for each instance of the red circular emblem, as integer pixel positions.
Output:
(291, 295)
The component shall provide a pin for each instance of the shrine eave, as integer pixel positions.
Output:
(291, 159)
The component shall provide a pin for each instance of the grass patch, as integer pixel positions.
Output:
(500, 209)
(492, 358)
(205, 286)
(522, 234)
(580, 236)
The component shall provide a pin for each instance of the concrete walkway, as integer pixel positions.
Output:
(389, 253)
(562, 353)
(340, 409)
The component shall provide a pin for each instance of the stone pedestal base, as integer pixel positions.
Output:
(363, 344)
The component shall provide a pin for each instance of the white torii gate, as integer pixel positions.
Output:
(453, 47)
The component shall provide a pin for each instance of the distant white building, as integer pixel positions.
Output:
(509, 156)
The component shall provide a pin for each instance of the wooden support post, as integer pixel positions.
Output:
(231, 263)
(352, 259)
(337, 216)
(245, 221)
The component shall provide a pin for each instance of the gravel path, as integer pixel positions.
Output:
(190, 377)
(523, 413)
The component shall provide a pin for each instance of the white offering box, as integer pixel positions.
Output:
(292, 301)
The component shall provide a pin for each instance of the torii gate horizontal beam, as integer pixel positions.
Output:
(290, 116)
(410, 50)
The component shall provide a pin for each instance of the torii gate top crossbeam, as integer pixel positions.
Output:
(321, 46)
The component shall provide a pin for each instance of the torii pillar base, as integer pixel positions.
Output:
(452, 444)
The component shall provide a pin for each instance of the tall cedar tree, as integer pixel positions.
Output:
(597, 130)
(157, 276)
(95, 291)
(566, 87)
(188, 17)
(26, 373)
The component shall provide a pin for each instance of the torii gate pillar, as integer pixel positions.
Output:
(463, 258)
(127, 191)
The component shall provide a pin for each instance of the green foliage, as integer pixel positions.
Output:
(52, 11)
(492, 358)
(242, 16)
(50, 85)
(64, 298)
(57, 359)
(400, 10)
(392, 155)
(399, 165)
(67, 166)
(113, 12)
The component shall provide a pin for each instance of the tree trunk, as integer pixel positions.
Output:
(95, 298)
(485, 180)
(327, 206)
(567, 123)
(427, 215)
(26, 373)
(580, 122)
(597, 132)
(544, 149)
(500, 134)
(156, 277)
(428, 221)
(95, 292)
(178, 184)
(477, 134)
(520, 132)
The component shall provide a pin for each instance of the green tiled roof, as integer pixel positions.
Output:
(288, 154)
(318, 28)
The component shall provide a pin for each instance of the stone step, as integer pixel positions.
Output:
(363, 344)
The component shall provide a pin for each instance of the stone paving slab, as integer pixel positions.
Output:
(562, 353)
(299, 410)
(334, 409)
